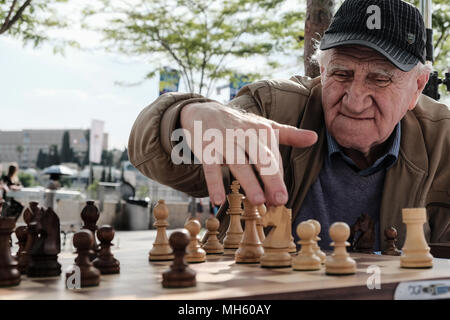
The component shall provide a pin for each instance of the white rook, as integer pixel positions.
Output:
(416, 252)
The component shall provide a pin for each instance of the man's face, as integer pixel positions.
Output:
(364, 96)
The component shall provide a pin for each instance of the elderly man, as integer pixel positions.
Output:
(359, 139)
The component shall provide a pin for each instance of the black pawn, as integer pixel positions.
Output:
(25, 256)
(9, 274)
(179, 275)
(90, 215)
(105, 262)
(390, 235)
(89, 275)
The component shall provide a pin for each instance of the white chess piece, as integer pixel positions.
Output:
(340, 262)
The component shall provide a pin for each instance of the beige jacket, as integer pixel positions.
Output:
(420, 177)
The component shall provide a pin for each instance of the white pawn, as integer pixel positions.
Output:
(161, 250)
(213, 244)
(194, 253)
(306, 258)
(316, 239)
(340, 262)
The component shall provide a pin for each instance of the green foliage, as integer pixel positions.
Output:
(66, 182)
(30, 20)
(27, 180)
(201, 37)
(142, 192)
(93, 186)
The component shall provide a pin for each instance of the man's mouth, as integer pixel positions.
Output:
(356, 118)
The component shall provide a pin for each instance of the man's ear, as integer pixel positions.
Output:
(422, 81)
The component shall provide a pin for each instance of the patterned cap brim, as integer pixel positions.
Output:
(400, 58)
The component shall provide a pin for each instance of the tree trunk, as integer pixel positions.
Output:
(318, 18)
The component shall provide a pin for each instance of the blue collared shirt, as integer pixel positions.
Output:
(384, 162)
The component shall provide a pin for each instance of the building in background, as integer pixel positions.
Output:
(23, 146)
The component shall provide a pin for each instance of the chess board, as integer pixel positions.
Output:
(221, 278)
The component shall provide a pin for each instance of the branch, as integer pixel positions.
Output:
(222, 58)
(169, 49)
(8, 24)
(11, 9)
(440, 51)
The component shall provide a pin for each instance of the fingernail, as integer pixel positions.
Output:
(259, 198)
(280, 197)
(217, 199)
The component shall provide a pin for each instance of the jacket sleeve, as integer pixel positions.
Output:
(150, 145)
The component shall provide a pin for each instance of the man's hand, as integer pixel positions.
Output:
(219, 117)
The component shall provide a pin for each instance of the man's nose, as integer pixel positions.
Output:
(358, 97)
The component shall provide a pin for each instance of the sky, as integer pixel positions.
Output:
(41, 90)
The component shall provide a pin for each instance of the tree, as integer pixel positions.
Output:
(201, 37)
(67, 154)
(91, 174)
(109, 177)
(42, 160)
(53, 155)
(123, 157)
(318, 18)
(441, 33)
(86, 156)
(103, 176)
(29, 20)
(19, 150)
(107, 158)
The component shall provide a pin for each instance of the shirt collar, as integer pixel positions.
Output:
(384, 162)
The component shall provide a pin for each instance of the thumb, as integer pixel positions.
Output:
(289, 135)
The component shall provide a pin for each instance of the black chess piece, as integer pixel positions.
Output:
(390, 234)
(179, 275)
(9, 274)
(362, 237)
(28, 217)
(90, 215)
(89, 275)
(105, 262)
(21, 235)
(45, 232)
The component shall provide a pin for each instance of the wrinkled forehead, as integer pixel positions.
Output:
(359, 56)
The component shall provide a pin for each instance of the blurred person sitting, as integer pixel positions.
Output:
(10, 181)
(53, 185)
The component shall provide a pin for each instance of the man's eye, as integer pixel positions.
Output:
(382, 82)
(341, 76)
